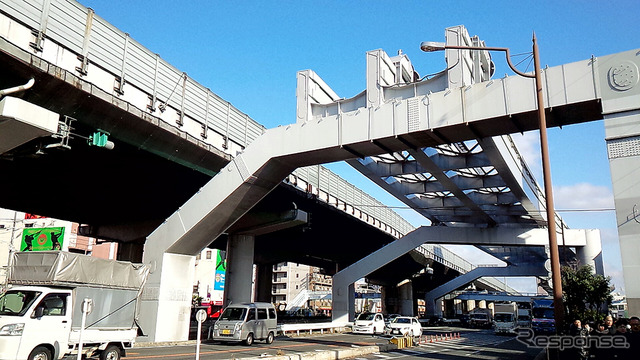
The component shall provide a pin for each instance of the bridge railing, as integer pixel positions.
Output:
(74, 38)
(334, 190)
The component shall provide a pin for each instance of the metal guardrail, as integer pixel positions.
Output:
(309, 328)
(334, 190)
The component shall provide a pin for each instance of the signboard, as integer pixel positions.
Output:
(40, 239)
(221, 268)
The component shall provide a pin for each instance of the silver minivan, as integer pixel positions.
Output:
(246, 322)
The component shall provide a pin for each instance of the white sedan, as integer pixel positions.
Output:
(405, 326)
(369, 323)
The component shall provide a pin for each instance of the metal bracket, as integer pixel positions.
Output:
(64, 134)
(37, 44)
(40, 34)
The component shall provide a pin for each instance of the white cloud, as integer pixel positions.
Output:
(583, 196)
(528, 145)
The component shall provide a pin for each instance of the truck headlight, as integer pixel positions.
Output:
(12, 329)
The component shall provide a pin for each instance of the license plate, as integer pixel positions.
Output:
(226, 332)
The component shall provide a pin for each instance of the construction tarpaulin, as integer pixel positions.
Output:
(60, 268)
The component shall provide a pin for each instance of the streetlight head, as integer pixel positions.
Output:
(429, 46)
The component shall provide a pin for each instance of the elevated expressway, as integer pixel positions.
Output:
(66, 73)
(396, 119)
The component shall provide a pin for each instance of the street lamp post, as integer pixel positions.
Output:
(556, 279)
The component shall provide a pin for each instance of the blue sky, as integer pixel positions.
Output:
(248, 52)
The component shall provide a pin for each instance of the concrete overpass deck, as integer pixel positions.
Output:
(187, 135)
(396, 120)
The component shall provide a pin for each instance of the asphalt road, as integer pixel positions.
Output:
(473, 343)
(210, 350)
(479, 344)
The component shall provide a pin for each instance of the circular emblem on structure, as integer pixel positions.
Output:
(624, 76)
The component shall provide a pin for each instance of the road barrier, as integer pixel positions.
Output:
(402, 342)
(439, 337)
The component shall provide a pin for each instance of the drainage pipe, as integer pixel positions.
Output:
(16, 89)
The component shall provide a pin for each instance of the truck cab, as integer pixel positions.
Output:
(505, 323)
(54, 298)
(31, 321)
(505, 319)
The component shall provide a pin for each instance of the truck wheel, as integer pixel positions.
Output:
(269, 338)
(40, 353)
(112, 352)
(249, 340)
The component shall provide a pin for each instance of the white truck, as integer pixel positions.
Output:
(505, 318)
(59, 303)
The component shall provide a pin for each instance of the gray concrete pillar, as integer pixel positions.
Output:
(264, 280)
(343, 302)
(591, 253)
(439, 307)
(239, 278)
(405, 297)
(622, 135)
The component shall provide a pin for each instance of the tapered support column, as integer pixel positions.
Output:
(343, 302)
(166, 298)
(239, 280)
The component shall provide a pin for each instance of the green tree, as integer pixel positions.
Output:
(585, 293)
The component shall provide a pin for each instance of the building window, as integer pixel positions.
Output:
(297, 276)
(208, 254)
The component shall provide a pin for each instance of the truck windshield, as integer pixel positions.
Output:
(17, 302)
(543, 313)
(231, 313)
(503, 317)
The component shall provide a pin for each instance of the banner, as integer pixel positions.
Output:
(40, 239)
(221, 268)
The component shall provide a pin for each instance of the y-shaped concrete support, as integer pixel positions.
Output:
(343, 307)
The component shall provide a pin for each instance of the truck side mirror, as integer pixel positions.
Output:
(39, 312)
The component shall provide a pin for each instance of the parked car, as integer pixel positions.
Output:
(389, 318)
(405, 326)
(369, 323)
(246, 322)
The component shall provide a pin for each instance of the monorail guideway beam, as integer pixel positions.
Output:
(412, 119)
